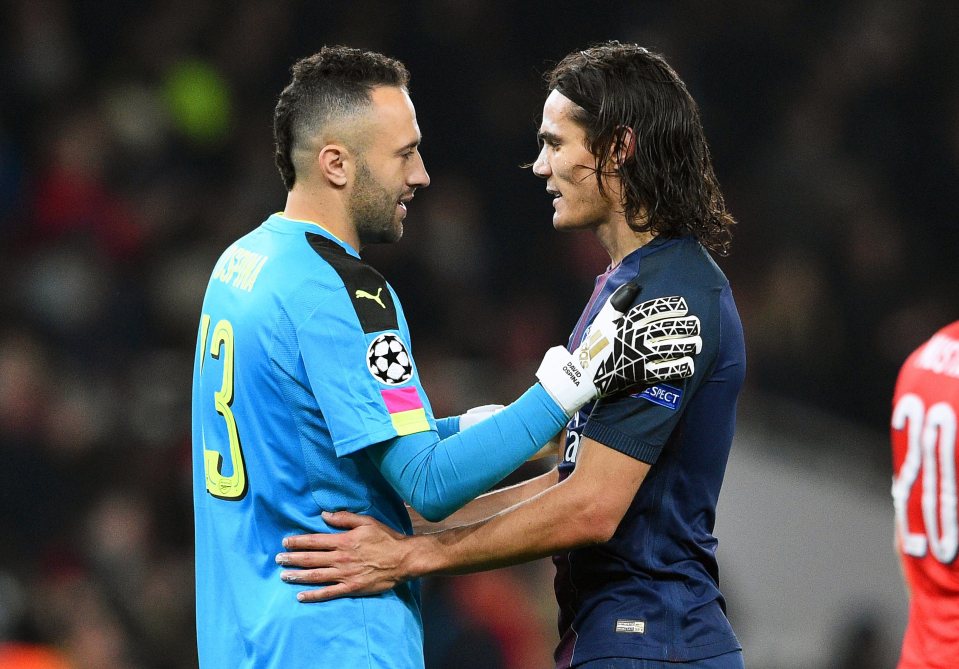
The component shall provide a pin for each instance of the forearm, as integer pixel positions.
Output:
(487, 505)
(369, 557)
(550, 522)
(437, 477)
(550, 448)
(584, 509)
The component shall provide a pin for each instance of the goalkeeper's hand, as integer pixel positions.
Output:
(653, 342)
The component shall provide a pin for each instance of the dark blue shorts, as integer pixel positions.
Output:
(733, 660)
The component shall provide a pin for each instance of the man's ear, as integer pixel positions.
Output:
(624, 145)
(335, 164)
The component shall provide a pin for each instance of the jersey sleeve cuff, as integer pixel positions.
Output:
(616, 440)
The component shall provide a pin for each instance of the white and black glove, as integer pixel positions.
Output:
(653, 342)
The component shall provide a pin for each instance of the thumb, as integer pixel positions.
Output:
(625, 295)
(345, 520)
(617, 304)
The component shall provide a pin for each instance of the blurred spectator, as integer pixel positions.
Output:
(30, 656)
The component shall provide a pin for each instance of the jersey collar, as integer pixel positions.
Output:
(654, 245)
(279, 221)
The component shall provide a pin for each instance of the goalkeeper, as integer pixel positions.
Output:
(306, 396)
(628, 514)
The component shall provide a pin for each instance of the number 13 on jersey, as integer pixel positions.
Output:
(234, 486)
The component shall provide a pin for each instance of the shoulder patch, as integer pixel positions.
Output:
(388, 360)
(662, 394)
(367, 288)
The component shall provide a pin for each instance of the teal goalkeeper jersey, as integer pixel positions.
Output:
(302, 361)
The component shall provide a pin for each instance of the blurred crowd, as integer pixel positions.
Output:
(135, 144)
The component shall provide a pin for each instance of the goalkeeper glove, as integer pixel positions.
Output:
(652, 342)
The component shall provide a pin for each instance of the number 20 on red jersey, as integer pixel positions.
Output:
(930, 457)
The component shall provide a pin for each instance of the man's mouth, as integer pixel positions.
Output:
(556, 195)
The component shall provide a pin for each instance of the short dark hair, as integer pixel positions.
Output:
(670, 174)
(331, 83)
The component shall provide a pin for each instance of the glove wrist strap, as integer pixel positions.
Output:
(563, 379)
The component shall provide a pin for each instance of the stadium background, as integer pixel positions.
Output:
(135, 143)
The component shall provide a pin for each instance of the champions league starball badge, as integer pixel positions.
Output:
(388, 360)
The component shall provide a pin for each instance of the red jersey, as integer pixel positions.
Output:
(924, 411)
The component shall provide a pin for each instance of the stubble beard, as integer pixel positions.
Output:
(373, 210)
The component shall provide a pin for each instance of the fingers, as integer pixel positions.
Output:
(339, 561)
(310, 576)
(672, 306)
(615, 307)
(323, 541)
(306, 559)
(673, 338)
(670, 370)
(669, 328)
(311, 542)
(624, 296)
(327, 593)
(675, 348)
(345, 519)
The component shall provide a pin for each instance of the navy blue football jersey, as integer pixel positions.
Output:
(652, 591)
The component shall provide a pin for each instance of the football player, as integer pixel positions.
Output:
(924, 408)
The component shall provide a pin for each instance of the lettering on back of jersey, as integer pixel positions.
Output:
(662, 394)
(940, 356)
(239, 267)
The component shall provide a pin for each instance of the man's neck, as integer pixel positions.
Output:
(304, 205)
(620, 240)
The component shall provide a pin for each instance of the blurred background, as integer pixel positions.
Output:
(136, 143)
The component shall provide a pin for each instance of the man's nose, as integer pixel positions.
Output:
(541, 165)
(419, 178)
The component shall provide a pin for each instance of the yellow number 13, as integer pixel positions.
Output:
(234, 486)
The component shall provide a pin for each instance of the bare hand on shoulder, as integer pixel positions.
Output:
(363, 560)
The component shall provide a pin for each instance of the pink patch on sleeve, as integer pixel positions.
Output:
(401, 399)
